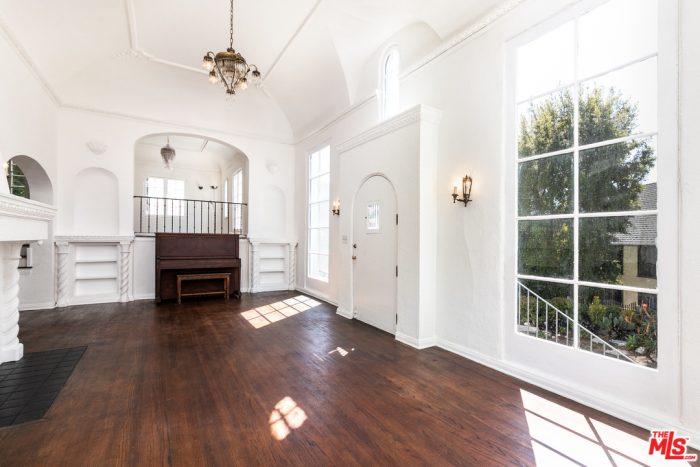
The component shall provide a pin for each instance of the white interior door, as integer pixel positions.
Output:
(374, 254)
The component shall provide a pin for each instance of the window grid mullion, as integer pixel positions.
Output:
(577, 334)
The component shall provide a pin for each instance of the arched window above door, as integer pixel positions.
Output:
(390, 83)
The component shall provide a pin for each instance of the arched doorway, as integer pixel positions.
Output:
(203, 189)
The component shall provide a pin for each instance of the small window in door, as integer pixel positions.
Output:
(373, 217)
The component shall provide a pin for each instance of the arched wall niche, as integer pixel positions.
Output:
(40, 186)
(96, 202)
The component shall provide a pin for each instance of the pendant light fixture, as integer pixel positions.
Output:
(168, 154)
(230, 68)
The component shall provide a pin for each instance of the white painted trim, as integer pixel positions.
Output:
(143, 296)
(319, 296)
(347, 314)
(37, 306)
(598, 401)
(405, 118)
(15, 206)
(415, 343)
(94, 299)
(94, 239)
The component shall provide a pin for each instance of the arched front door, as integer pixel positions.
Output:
(374, 254)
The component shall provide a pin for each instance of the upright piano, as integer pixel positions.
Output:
(193, 253)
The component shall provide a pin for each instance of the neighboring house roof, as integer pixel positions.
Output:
(642, 229)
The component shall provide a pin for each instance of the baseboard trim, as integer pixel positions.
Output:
(344, 313)
(317, 295)
(143, 296)
(413, 342)
(37, 306)
(615, 408)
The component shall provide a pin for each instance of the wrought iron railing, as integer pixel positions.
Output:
(558, 328)
(153, 215)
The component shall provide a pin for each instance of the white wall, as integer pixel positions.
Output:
(28, 127)
(474, 305)
(120, 135)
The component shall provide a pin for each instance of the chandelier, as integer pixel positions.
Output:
(168, 154)
(230, 68)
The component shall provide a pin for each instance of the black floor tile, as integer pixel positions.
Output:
(29, 387)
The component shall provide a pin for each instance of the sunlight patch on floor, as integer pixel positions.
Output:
(285, 417)
(561, 436)
(267, 314)
(341, 351)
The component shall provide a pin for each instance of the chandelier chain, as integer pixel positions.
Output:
(231, 29)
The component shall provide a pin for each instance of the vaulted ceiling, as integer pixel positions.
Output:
(142, 57)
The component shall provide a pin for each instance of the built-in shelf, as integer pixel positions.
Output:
(273, 257)
(86, 261)
(92, 278)
(273, 270)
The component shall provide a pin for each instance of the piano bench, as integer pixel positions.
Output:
(225, 276)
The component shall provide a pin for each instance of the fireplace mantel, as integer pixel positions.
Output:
(21, 221)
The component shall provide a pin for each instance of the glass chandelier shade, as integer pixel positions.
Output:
(168, 155)
(230, 68)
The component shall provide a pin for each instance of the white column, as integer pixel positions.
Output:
(254, 267)
(124, 269)
(10, 348)
(62, 274)
(292, 266)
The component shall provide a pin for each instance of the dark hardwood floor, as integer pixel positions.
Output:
(210, 383)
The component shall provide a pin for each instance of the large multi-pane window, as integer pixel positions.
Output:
(237, 193)
(318, 214)
(164, 196)
(586, 99)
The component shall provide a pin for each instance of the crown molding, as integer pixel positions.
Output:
(420, 113)
(15, 206)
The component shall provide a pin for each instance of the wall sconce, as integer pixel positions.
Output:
(336, 208)
(466, 191)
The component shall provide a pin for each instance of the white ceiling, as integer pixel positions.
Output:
(142, 57)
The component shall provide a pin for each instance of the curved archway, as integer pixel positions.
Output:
(38, 181)
(192, 194)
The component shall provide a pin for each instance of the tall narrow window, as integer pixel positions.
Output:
(237, 193)
(226, 198)
(318, 214)
(586, 100)
(390, 84)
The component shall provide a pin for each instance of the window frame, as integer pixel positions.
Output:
(173, 209)
(385, 112)
(667, 198)
(237, 199)
(309, 203)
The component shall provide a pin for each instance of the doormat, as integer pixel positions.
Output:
(29, 386)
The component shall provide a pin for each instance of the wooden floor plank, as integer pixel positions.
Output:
(197, 384)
